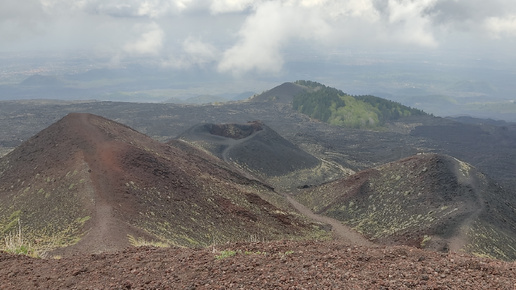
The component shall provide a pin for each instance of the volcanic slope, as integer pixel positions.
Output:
(258, 150)
(429, 201)
(95, 185)
(283, 93)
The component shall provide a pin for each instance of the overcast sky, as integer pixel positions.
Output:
(253, 36)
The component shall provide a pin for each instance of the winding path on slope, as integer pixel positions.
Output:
(340, 231)
(464, 175)
(106, 231)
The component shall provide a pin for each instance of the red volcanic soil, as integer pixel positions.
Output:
(89, 178)
(274, 265)
(135, 182)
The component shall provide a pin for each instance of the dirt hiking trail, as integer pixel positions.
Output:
(457, 242)
(340, 231)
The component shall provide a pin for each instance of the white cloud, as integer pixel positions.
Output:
(409, 22)
(194, 52)
(250, 35)
(225, 6)
(274, 25)
(18, 19)
(500, 27)
(265, 33)
(199, 52)
(159, 8)
(363, 9)
(119, 8)
(150, 40)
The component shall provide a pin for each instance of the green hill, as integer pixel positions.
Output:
(337, 108)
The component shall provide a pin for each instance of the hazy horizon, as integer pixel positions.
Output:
(445, 56)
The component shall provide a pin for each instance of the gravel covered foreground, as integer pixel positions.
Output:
(263, 265)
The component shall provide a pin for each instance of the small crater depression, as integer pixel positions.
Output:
(235, 131)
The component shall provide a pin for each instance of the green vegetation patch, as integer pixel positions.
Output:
(225, 254)
(489, 240)
(230, 253)
(36, 218)
(141, 242)
(337, 108)
(11, 223)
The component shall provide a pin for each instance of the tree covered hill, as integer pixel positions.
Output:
(337, 108)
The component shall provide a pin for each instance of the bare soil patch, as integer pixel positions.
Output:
(274, 265)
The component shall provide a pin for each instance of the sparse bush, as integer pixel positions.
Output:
(425, 240)
(141, 242)
(15, 244)
(225, 254)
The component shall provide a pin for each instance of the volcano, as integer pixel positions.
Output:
(428, 200)
(259, 151)
(89, 184)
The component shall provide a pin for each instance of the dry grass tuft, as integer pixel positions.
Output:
(141, 242)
